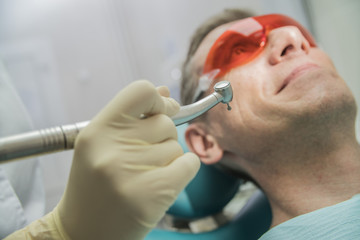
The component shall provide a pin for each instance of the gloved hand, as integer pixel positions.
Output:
(127, 170)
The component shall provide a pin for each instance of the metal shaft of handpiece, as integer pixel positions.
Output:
(191, 111)
(63, 137)
(39, 142)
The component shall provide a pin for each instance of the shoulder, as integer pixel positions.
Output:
(340, 221)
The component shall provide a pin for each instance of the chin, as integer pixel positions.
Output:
(328, 114)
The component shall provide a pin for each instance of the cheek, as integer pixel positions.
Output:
(321, 58)
(246, 120)
(251, 99)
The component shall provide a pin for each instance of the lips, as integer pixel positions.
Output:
(296, 73)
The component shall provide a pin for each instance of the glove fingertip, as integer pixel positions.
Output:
(171, 106)
(193, 161)
(188, 165)
(163, 91)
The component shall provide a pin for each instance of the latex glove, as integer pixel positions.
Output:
(126, 170)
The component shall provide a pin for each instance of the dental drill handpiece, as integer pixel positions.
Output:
(63, 137)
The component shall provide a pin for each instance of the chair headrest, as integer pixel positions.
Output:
(251, 223)
(207, 193)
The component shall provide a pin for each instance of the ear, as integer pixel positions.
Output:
(203, 144)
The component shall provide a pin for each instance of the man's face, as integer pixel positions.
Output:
(287, 92)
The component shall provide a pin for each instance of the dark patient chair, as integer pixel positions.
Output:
(207, 195)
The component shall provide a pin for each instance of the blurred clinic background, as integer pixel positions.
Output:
(68, 58)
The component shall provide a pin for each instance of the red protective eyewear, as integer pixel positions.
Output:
(245, 40)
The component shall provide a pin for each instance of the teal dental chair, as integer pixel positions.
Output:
(207, 195)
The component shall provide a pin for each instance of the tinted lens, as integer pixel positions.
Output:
(231, 50)
(245, 40)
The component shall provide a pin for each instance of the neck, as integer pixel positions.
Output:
(300, 183)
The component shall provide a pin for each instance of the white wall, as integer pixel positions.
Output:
(67, 61)
(337, 27)
(68, 58)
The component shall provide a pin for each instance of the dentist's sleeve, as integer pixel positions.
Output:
(127, 170)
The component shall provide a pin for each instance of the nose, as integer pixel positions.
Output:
(286, 42)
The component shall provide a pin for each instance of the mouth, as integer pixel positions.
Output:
(296, 73)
